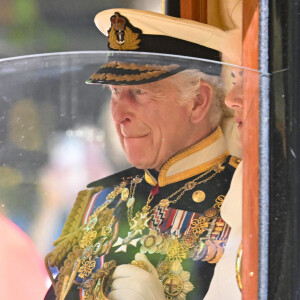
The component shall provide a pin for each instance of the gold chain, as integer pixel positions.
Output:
(187, 187)
(130, 202)
(147, 207)
(191, 185)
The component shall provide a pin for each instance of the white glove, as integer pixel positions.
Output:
(133, 283)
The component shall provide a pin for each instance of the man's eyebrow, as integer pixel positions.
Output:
(153, 86)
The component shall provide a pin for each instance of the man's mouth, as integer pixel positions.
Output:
(134, 136)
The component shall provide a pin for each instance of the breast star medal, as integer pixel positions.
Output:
(176, 282)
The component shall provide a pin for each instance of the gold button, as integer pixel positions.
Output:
(198, 196)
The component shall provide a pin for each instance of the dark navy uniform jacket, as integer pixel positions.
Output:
(174, 220)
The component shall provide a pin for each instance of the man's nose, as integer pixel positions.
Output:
(121, 106)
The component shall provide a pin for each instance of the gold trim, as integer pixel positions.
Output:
(97, 76)
(146, 67)
(152, 71)
(238, 267)
(193, 149)
(134, 77)
(126, 77)
(162, 181)
(74, 219)
(162, 178)
(234, 161)
(134, 66)
(149, 178)
(111, 64)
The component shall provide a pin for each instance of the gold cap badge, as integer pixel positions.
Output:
(122, 35)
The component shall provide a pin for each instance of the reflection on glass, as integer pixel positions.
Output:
(57, 136)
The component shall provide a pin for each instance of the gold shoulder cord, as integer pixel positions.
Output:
(76, 260)
(71, 233)
(79, 242)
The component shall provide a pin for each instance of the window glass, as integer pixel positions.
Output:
(57, 135)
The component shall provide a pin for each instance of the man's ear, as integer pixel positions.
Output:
(201, 103)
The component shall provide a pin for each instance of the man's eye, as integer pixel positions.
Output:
(139, 92)
(115, 90)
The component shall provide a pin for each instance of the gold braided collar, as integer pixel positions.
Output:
(192, 161)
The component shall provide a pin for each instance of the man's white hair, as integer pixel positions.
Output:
(188, 82)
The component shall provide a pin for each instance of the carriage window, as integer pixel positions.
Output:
(59, 134)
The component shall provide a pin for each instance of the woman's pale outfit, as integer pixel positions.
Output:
(224, 283)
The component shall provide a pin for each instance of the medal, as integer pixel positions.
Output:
(130, 202)
(125, 194)
(176, 282)
(173, 285)
(163, 267)
(189, 241)
(211, 212)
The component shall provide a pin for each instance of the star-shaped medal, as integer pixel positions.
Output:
(139, 222)
(137, 225)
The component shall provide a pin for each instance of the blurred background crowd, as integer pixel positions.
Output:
(53, 134)
(44, 163)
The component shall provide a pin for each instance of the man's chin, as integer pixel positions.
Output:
(137, 154)
(139, 161)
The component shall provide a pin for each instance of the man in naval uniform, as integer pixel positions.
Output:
(152, 231)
